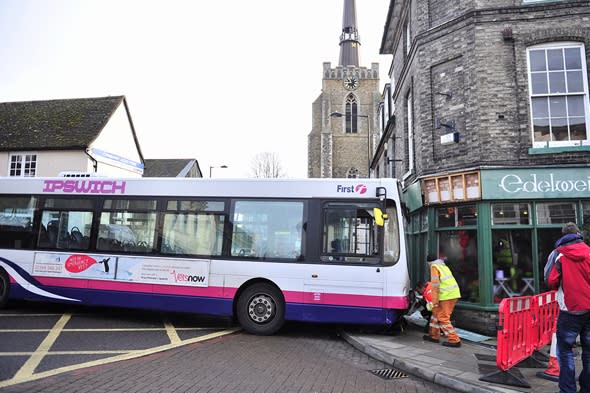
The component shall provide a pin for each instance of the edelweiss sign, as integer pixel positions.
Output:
(535, 183)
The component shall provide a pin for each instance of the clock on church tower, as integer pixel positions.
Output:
(351, 83)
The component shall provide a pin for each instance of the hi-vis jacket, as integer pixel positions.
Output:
(444, 285)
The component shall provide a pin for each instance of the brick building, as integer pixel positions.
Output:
(486, 121)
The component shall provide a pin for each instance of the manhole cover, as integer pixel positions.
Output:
(389, 373)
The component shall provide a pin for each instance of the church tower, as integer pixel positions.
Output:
(344, 116)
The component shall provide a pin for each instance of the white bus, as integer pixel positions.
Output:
(264, 251)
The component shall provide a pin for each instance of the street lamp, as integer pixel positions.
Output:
(338, 114)
(211, 168)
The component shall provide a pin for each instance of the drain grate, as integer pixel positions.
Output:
(389, 373)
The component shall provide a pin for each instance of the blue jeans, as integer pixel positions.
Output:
(569, 326)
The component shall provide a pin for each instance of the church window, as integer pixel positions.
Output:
(351, 114)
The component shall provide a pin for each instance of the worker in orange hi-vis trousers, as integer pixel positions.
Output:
(445, 293)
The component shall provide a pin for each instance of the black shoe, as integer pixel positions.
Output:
(452, 345)
(426, 337)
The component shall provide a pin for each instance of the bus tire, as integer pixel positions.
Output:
(4, 288)
(261, 309)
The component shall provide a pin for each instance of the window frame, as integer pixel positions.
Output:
(585, 94)
(168, 210)
(262, 248)
(409, 106)
(351, 116)
(330, 256)
(27, 165)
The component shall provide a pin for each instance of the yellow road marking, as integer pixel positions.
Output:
(31, 364)
(128, 355)
(172, 334)
(105, 352)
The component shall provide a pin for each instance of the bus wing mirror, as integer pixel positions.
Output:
(380, 217)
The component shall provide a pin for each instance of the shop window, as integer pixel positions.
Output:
(556, 212)
(547, 238)
(424, 222)
(457, 216)
(459, 248)
(445, 217)
(466, 215)
(586, 226)
(512, 263)
(511, 213)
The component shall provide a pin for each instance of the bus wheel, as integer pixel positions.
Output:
(261, 309)
(4, 288)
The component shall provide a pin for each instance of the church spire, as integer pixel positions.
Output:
(349, 39)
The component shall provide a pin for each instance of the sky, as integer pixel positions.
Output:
(219, 81)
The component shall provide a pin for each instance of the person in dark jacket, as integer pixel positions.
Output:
(570, 276)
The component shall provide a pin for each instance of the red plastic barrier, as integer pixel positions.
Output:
(517, 333)
(546, 314)
(525, 324)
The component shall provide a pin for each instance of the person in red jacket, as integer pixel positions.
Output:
(570, 276)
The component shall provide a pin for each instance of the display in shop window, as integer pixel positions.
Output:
(458, 187)
(431, 190)
(444, 188)
(472, 182)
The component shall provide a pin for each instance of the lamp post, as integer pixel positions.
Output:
(211, 168)
(338, 114)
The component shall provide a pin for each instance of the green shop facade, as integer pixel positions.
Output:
(495, 227)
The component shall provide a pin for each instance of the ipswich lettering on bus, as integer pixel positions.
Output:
(84, 186)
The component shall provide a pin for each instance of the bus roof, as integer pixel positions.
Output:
(199, 187)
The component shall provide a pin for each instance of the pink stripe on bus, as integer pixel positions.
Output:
(343, 299)
(395, 302)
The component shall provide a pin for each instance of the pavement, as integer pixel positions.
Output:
(455, 368)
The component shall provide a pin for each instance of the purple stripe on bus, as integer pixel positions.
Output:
(397, 302)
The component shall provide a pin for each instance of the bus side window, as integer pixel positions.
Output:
(65, 224)
(267, 229)
(127, 225)
(16, 222)
(65, 230)
(193, 227)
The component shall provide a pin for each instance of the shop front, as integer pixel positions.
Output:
(496, 228)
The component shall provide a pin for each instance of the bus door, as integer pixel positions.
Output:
(350, 274)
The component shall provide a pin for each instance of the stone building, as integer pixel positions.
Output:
(486, 121)
(344, 116)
